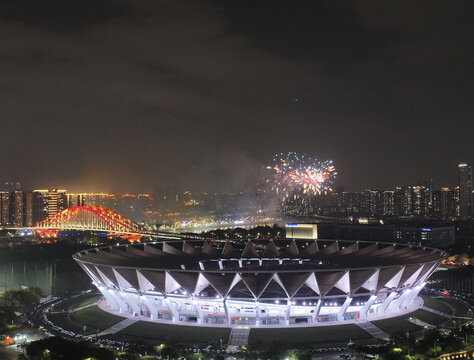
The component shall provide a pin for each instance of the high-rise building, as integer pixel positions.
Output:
(413, 200)
(29, 209)
(99, 199)
(427, 185)
(373, 202)
(421, 198)
(403, 201)
(75, 200)
(388, 198)
(11, 186)
(465, 191)
(449, 203)
(5, 208)
(57, 201)
(18, 207)
(436, 206)
(39, 205)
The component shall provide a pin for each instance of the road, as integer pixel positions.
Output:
(6, 354)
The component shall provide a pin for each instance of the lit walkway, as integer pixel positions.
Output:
(421, 323)
(436, 312)
(117, 327)
(82, 307)
(373, 330)
(239, 336)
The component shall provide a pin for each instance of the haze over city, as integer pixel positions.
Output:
(124, 96)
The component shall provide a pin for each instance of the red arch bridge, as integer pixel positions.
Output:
(93, 218)
(90, 218)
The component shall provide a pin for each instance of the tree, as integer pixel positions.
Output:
(394, 354)
(219, 357)
(170, 351)
(59, 348)
(301, 354)
(13, 302)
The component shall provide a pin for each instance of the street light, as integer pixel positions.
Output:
(434, 346)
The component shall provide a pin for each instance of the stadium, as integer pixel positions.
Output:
(274, 283)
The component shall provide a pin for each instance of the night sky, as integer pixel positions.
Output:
(114, 95)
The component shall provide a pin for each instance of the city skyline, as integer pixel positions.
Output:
(127, 95)
(20, 207)
(250, 185)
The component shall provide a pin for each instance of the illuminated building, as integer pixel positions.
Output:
(301, 231)
(92, 199)
(18, 213)
(29, 209)
(286, 282)
(39, 203)
(11, 186)
(423, 233)
(388, 199)
(465, 191)
(57, 201)
(421, 200)
(412, 200)
(97, 199)
(405, 201)
(446, 203)
(373, 202)
(5, 208)
(74, 200)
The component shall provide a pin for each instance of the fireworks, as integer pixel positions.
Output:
(296, 175)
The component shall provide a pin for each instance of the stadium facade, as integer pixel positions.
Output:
(284, 282)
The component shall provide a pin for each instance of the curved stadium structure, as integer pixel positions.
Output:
(260, 283)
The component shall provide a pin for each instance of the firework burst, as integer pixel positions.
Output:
(296, 175)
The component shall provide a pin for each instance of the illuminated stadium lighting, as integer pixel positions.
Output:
(265, 282)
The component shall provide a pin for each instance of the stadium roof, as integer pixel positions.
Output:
(295, 255)
(260, 269)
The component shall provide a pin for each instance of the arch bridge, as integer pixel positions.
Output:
(90, 218)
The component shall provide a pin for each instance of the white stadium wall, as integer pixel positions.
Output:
(263, 283)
